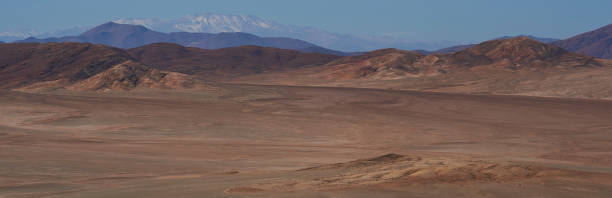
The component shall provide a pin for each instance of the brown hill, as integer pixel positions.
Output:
(24, 64)
(597, 43)
(508, 66)
(77, 66)
(516, 52)
(385, 64)
(462, 47)
(225, 62)
(392, 168)
(129, 75)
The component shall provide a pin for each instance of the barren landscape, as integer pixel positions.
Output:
(283, 141)
(233, 105)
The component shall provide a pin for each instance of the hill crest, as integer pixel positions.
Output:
(225, 62)
(516, 53)
(79, 66)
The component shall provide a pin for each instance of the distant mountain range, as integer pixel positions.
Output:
(15, 35)
(130, 36)
(10, 36)
(231, 30)
(596, 43)
(217, 23)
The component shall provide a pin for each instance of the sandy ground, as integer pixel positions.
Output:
(281, 141)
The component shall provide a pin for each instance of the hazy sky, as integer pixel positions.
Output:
(454, 20)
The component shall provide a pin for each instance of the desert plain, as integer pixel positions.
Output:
(240, 140)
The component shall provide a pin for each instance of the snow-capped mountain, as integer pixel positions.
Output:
(16, 35)
(130, 36)
(209, 23)
(216, 23)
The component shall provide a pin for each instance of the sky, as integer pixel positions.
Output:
(427, 20)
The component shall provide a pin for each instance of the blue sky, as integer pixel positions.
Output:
(454, 20)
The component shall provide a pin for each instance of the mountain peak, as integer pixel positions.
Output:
(518, 52)
(462, 47)
(130, 36)
(110, 23)
(540, 39)
(517, 49)
(521, 38)
(217, 23)
(115, 27)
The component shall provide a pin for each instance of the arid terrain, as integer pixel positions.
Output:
(510, 117)
(515, 66)
(283, 141)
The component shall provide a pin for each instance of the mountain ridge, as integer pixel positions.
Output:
(224, 62)
(597, 43)
(216, 23)
(513, 53)
(517, 66)
(130, 36)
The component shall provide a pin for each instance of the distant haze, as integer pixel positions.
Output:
(420, 23)
(216, 23)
